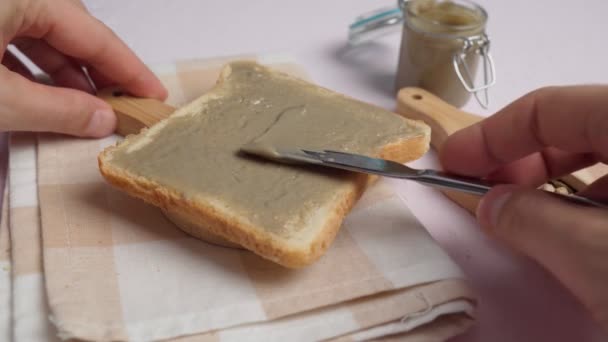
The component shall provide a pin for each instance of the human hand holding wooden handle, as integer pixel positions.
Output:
(445, 120)
(63, 39)
(544, 135)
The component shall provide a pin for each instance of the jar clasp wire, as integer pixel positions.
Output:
(479, 45)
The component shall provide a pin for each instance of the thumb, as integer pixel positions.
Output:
(30, 106)
(569, 240)
(537, 223)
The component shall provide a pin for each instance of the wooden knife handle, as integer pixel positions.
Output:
(444, 119)
(134, 113)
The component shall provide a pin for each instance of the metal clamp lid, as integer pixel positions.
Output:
(479, 45)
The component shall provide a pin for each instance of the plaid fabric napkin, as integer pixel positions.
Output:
(116, 269)
(23, 312)
(5, 273)
(29, 310)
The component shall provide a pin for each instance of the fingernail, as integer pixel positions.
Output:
(154, 88)
(491, 206)
(496, 207)
(101, 124)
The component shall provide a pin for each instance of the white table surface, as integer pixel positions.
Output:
(534, 43)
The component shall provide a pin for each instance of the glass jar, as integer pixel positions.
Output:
(442, 44)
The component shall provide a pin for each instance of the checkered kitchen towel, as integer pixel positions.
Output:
(116, 269)
(5, 274)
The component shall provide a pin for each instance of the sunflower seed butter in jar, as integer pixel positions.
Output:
(441, 46)
(443, 43)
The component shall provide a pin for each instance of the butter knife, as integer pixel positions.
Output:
(387, 168)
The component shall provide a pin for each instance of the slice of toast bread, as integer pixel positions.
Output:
(190, 166)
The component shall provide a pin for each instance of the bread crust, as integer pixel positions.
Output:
(205, 218)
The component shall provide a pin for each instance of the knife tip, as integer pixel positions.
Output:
(266, 151)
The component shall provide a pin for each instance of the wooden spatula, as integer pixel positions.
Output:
(444, 119)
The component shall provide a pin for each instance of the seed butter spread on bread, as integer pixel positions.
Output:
(190, 163)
